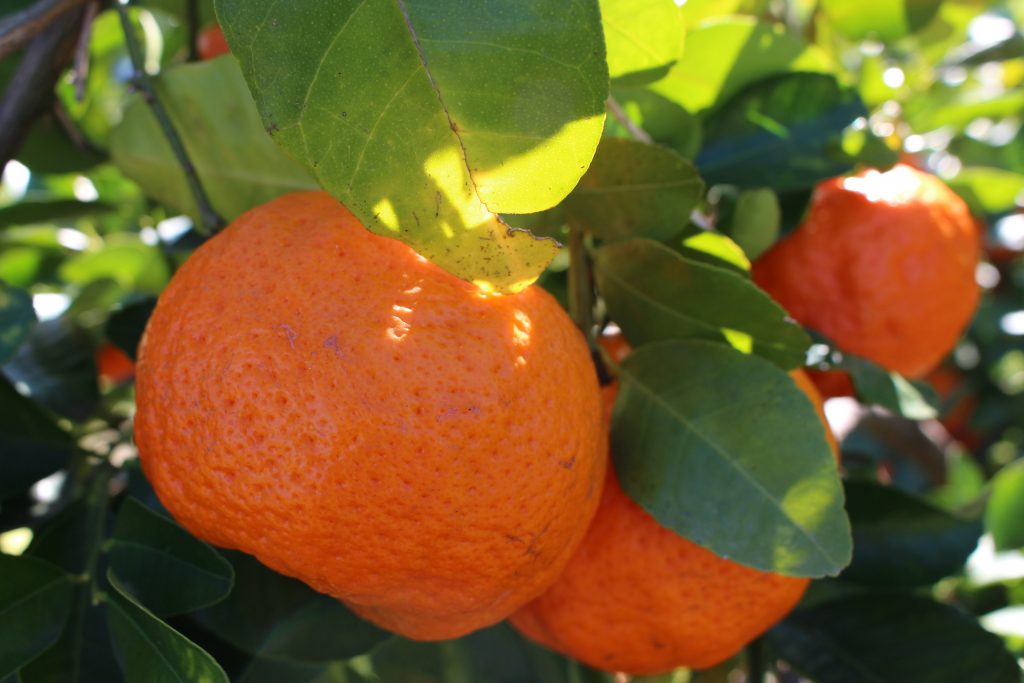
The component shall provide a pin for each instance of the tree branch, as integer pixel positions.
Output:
(209, 220)
(21, 27)
(31, 88)
(620, 115)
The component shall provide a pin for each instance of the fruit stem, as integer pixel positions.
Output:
(581, 290)
(209, 220)
(620, 115)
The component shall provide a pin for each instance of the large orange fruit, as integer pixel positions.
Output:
(327, 400)
(883, 265)
(637, 597)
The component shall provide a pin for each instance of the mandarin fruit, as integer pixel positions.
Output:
(211, 42)
(883, 265)
(329, 401)
(638, 597)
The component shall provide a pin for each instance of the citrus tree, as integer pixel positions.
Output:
(509, 342)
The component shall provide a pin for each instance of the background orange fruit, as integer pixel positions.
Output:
(883, 265)
(352, 415)
(639, 598)
(211, 42)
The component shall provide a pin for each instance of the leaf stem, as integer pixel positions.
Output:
(635, 131)
(96, 503)
(193, 30)
(581, 290)
(209, 219)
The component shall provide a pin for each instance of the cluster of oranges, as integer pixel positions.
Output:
(436, 458)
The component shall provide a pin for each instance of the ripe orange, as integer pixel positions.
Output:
(113, 365)
(211, 43)
(639, 598)
(327, 400)
(883, 265)
(959, 404)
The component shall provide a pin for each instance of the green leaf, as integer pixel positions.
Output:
(755, 221)
(57, 369)
(723, 56)
(32, 446)
(635, 190)
(135, 266)
(477, 109)
(496, 655)
(17, 318)
(784, 133)
(35, 599)
(877, 386)
(884, 20)
(84, 653)
(150, 650)
(891, 639)
(1004, 516)
(276, 617)
(162, 565)
(727, 451)
(714, 249)
(126, 325)
(665, 121)
(655, 293)
(644, 38)
(60, 211)
(957, 107)
(210, 107)
(902, 541)
(989, 191)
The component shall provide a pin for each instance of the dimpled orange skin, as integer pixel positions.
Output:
(355, 417)
(638, 598)
(883, 265)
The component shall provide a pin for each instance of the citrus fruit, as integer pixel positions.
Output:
(332, 403)
(113, 365)
(637, 597)
(883, 265)
(211, 43)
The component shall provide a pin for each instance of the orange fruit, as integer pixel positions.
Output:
(211, 43)
(637, 597)
(883, 265)
(832, 383)
(959, 404)
(113, 365)
(329, 401)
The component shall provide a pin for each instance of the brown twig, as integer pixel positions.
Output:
(80, 68)
(21, 27)
(209, 220)
(31, 87)
(620, 115)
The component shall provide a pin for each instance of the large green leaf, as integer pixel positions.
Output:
(884, 20)
(784, 132)
(276, 617)
(723, 56)
(901, 541)
(150, 650)
(162, 565)
(56, 367)
(32, 446)
(1004, 516)
(35, 599)
(210, 106)
(726, 450)
(644, 38)
(131, 264)
(17, 318)
(654, 293)
(635, 190)
(891, 639)
(428, 118)
(49, 211)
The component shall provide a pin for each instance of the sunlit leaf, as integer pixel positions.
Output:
(644, 38)
(1004, 515)
(428, 118)
(880, 19)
